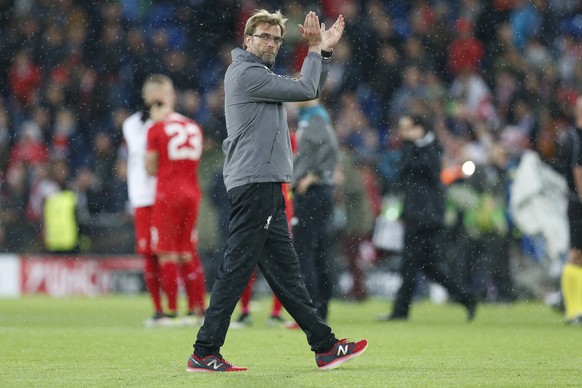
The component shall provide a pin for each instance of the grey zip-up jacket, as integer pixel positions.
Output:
(258, 147)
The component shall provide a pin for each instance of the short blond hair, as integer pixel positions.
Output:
(156, 80)
(263, 16)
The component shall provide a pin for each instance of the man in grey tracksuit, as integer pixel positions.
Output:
(313, 168)
(258, 160)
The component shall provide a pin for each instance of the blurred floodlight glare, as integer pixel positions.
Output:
(468, 168)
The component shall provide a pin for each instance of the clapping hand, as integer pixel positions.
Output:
(311, 31)
(331, 37)
(317, 36)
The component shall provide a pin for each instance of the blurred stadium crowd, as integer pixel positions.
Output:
(497, 77)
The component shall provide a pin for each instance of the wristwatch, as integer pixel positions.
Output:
(326, 54)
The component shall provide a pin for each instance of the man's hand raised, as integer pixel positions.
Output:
(331, 37)
(311, 31)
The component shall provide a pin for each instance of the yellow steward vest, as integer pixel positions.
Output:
(61, 231)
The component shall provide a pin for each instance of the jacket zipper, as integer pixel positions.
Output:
(272, 147)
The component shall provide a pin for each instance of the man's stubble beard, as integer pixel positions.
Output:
(266, 57)
(269, 59)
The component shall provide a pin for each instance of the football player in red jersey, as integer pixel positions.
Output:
(174, 148)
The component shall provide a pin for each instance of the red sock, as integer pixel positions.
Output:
(277, 306)
(194, 284)
(245, 298)
(169, 271)
(152, 280)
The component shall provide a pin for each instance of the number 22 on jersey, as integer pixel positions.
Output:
(185, 141)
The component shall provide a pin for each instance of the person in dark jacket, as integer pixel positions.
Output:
(423, 218)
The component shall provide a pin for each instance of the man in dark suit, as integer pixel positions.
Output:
(423, 218)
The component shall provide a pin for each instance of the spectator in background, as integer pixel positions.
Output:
(405, 97)
(215, 125)
(524, 21)
(472, 98)
(41, 186)
(29, 148)
(180, 70)
(343, 75)
(386, 76)
(53, 49)
(17, 233)
(294, 13)
(67, 140)
(414, 54)
(103, 166)
(137, 60)
(44, 118)
(87, 188)
(313, 169)
(174, 149)
(24, 79)
(62, 132)
(119, 202)
(537, 55)
(438, 36)
(354, 127)
(422, 215)
(190, 104)
(465, 51)
(526, 119)
(212, 73)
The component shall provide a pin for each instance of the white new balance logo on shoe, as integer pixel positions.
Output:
(342, 350)
(216, 363)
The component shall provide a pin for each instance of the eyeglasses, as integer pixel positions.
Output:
(267, 38)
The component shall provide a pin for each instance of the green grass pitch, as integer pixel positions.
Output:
(101, 342)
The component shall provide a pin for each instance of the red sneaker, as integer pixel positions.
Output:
(211, 363)
(341, 352)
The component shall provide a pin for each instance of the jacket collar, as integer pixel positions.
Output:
(238, 54)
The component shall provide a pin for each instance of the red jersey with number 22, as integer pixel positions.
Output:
(178, 141)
